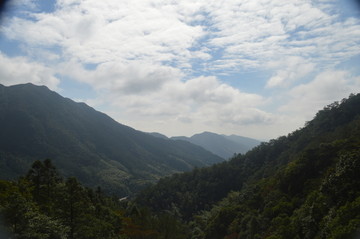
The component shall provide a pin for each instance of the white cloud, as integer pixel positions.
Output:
(264, 31)
(20, 70)
(134, 78)
(199, 104)
(288, 70)
(97, 32)
(145, 58)
(307, 99)
(122, 78)
(202, 100)
(246, 34)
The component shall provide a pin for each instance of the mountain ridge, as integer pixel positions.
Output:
(221, 145)
(303, 185)
(37, 123)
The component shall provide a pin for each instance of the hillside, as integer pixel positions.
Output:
(44, 205)
(303, 185)
(221, 145)
(36, 123)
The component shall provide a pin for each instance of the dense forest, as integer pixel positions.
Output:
(43, 205)
(303, 185)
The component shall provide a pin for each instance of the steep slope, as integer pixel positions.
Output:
(36, 123)
(222, 145)
(304, 185)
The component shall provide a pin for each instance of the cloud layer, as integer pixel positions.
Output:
(176, 66)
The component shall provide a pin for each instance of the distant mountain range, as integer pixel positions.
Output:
(36, 123)
(221, 145)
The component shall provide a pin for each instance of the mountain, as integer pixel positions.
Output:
(221, 145)
(249, 143)
(158, 135)
(36, 123)
(303, 185)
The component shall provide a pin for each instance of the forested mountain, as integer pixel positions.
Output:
(221, 145)
(44, 205)
(303, 185)
(36, 123)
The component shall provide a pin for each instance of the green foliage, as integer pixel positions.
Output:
(304, 185)
(192, 191)
(345, 221)
(43, 206)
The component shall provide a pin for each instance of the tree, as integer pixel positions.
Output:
(44, 178)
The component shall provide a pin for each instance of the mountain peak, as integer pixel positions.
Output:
(206, 134)
(29, 85)
(37, 123)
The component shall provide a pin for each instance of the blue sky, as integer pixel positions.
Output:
(254, 68)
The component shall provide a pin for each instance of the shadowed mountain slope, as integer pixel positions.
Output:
(36, 123)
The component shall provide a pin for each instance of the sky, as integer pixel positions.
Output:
(259, 69)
